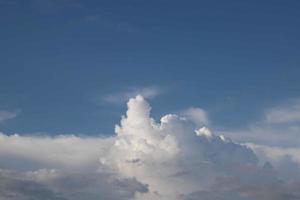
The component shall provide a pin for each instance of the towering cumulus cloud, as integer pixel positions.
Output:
(173, 159)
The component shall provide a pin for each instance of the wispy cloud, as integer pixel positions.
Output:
(5, 115)
(275, 137)
(287, 113)
(197, 115)
(125, 95)
(279, 125)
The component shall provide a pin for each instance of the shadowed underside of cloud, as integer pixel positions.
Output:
(145, 160)
(58, 185)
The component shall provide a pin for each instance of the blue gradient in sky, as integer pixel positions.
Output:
(58, 58)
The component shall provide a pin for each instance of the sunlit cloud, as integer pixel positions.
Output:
(145, 159)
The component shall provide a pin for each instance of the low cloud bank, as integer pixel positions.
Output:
(145, 160)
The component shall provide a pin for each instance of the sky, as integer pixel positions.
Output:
(61, 58)
(122, 93)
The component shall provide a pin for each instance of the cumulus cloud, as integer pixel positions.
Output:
(172, 158)
(123, 96)
(169, 154)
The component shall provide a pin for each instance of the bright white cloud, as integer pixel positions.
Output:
(204, 132)
(145, 160)
(169, 154)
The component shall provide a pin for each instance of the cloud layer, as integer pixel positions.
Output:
(174, 158)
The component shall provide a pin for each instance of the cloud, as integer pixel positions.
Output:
(169, 154)
(196, 115)
(5, 115)
(285, 113)
(172, 158)
(279, 126)
(262, 187)
(13, 186)
(285, 159)
(123, 96)
(275, 138)
(17, 152)
(56, 185)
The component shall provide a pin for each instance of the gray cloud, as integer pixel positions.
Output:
(13, 186)
(54, 185)
(263, 187)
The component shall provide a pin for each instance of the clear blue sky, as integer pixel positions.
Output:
(60, 58)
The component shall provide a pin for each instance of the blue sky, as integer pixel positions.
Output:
(61, 59)
(78, 79)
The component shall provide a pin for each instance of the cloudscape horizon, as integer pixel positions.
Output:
(149, 100)
(175, 158)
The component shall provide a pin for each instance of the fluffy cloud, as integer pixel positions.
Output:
(170, 159)
(169, 154)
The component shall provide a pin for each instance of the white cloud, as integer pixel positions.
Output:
(279, 126)
(288, 113)
(145, 160)
(286, 160)
(275, 153)
(123, 96)
(204, 132)
(5, 115)
(275, 137)
(54, 152)
(169, 154)
(196, 115)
